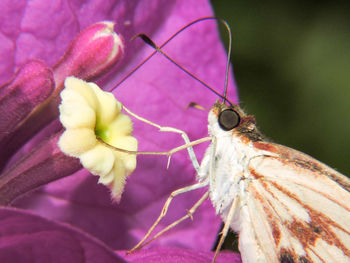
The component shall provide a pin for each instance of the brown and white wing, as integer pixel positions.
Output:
(297, 211)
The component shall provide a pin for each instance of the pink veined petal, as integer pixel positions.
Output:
(29, 238)
(171, 254)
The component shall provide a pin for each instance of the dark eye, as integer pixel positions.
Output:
(228, 119)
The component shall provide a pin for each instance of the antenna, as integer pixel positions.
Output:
(229, 49)
(158, 49)
(149, 41)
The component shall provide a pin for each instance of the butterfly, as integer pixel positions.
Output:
(286, 206)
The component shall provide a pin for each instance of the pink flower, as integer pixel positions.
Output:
(34, 38)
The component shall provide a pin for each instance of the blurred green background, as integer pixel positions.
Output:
(292, 67)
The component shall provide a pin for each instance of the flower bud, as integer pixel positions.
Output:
(92, 52)
(32, 85)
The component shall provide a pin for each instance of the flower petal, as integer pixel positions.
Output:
(108, 107)
(126, 142)
(117, 185)
(171, 254)
(98, 160)
(29, 238)
(77, 115)
(79, 91)
(75, 142)
(120, 127)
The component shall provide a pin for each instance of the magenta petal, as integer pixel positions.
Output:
(29, 238)
(89, 207)
(170, 255)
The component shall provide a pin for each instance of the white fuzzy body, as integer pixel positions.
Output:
(224, 167)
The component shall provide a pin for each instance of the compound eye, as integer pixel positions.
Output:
(228, 119)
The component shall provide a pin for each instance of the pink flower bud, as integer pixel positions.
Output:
(92, 52)
(32, 85)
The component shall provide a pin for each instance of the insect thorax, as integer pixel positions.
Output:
(224, 167)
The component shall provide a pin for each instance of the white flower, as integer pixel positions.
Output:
(89, 114)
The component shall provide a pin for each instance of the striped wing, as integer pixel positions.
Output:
(297, 210)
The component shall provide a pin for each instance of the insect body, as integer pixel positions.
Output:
(285, 205)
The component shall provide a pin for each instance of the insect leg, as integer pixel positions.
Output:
(226, 227)
(165, 209)
(170, 129)
(188, 215)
